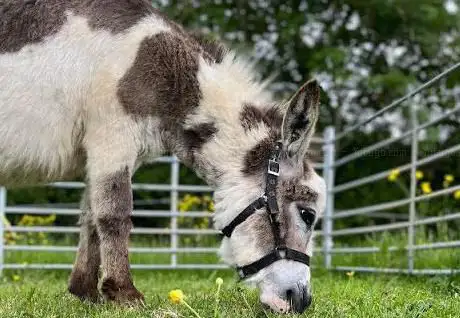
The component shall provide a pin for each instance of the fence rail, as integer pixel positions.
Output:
(329, 235)
(413, 220)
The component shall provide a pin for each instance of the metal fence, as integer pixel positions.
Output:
(173, 231)
(327, 233)
(412, 220)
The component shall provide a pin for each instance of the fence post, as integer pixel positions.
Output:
(173, 208)
(413, 188)
(2, 225)
(329, 169)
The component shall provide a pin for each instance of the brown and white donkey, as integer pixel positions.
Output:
(95, 88)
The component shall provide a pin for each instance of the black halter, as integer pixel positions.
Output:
(268, 200)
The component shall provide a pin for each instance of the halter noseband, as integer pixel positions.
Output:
(268, 200)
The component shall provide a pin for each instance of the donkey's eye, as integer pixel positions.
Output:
(308, 215)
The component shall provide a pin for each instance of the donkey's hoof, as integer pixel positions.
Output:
(122, 294)
(85, 294)
(84, 289)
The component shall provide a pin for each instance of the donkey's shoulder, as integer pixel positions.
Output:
(24, 22)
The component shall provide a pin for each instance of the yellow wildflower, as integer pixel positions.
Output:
(457, 195)
(350, 274)
(16, 278)
(393, 175)
(176, 296)
(449, 178)
(211, 207)
(426, 187)
(219, 281)
(419, 175)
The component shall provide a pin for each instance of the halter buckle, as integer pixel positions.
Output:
(273, 167)
(281, 252)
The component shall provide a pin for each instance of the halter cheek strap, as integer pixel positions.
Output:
(269, 201)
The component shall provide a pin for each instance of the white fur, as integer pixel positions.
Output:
(52, 90)
(226, 88)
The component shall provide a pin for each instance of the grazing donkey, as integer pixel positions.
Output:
(95, 88)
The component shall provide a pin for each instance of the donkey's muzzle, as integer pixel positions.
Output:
(300, 298)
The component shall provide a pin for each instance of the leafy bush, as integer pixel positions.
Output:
(30, 238)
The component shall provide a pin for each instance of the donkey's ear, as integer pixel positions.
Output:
(300, 120)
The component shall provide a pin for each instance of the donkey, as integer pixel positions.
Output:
(93, 89)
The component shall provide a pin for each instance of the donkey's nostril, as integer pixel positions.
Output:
(299, 298)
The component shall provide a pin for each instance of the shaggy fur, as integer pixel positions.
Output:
(94, 89)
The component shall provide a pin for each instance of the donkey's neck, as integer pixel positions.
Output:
(240, 123)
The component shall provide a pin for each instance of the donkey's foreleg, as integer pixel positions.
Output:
(112, 199)
(84, 277)
(112, 153)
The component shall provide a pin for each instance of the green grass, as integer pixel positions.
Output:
(43, 294)
(31, 293)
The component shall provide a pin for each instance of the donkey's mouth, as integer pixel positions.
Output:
(295, 301)
(275, 304)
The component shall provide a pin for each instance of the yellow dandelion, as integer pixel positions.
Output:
(350, 274)
(419, 175)
(219, 281)
(457, 195)
(211, 207)
(16, 278)
(176, 296)
(426, 187)
(394, 174)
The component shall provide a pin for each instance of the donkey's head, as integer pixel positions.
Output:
(270, 241)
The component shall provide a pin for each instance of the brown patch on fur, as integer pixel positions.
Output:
(114, 15)
(26, 22)
(123, 294)
(291, 191)
(256, 160)
(214, 49)
(257, 157)
(196, 136)
(273, 118)
(112, 202)
(162, 81)
(251, 116)
(85, 273)
(84, 277)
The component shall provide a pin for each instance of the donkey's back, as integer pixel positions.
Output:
(60, 66)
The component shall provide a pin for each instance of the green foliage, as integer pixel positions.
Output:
(196, 204)
(30, 238)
